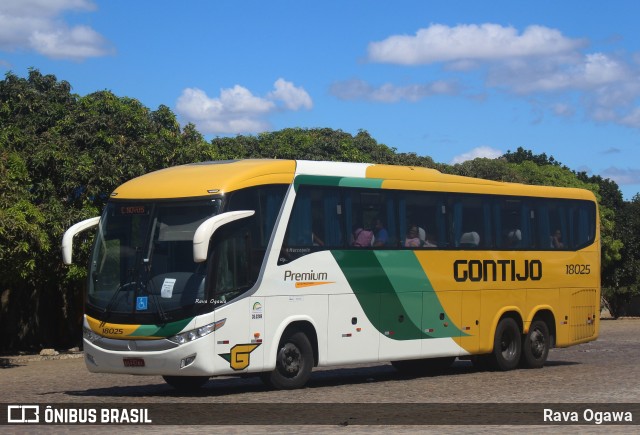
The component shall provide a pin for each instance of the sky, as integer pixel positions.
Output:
(449, 80)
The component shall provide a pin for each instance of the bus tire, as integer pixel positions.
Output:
(186, 383)
(294, 362)
(507, 345)
(535, 345)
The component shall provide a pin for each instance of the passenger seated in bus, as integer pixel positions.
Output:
(380, 233)
(556, 240)
(470, 240)
(429, 241)
(362, 237)
(422, 234)
(513, 238)
(413, 238)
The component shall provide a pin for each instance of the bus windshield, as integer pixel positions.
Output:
(142, 268)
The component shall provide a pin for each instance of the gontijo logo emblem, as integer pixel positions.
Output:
(307, 279)
(239, 357)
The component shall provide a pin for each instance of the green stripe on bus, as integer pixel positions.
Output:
(167, 330)
(370, 183)
(317, 180)
(406, 274)
(373, 289)
(404, 298)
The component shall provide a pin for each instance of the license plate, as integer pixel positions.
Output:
(133, 362)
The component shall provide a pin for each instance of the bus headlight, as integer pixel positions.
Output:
(194, 334)
(89, 335)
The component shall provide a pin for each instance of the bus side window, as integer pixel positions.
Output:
(316, 223)
(470, 222)
(427, 212)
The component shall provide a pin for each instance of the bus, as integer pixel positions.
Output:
(274, 267)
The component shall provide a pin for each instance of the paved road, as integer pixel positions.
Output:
(604, 371)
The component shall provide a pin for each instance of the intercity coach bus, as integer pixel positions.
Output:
(274, 267)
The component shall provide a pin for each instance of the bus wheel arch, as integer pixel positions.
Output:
(296, 355)
(547, 316)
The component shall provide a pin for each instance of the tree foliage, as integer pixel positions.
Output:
(61, 155)
(621, 279)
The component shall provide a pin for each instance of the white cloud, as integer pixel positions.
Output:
(539, 62)
(237, 110)
(78, 43)
(440, 43)
(562, 109)
(36, 25)
(483, 151)
(388, 93)
(293, 98)
(632, 119)
(622, 176)
(588, 72)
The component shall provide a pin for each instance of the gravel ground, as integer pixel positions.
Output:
(596, 373)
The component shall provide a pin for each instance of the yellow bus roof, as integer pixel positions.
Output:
(207, 178)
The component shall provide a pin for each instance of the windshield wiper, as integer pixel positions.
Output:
(112, 301)
(161, 313)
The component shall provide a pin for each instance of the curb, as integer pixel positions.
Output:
(11, 360)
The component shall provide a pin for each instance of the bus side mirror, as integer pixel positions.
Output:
(67, 239)
(207, 228)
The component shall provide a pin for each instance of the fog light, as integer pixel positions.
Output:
(187, 361)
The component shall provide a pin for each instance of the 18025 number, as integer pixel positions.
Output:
(578, 269)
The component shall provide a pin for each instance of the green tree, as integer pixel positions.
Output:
(621, 279)
(521, 155)
(61, 156)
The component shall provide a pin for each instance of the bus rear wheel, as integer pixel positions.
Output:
(294, 362)
(186, 383)
(535, 345)
(507, 345)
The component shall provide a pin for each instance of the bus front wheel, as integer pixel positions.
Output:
(294, 362)
(535, 345)
(507, 345)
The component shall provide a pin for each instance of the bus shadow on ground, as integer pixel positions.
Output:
(322, 378)
(7, 363)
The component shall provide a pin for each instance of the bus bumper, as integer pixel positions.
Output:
(196, 358)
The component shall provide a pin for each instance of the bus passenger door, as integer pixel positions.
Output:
(352, 334)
